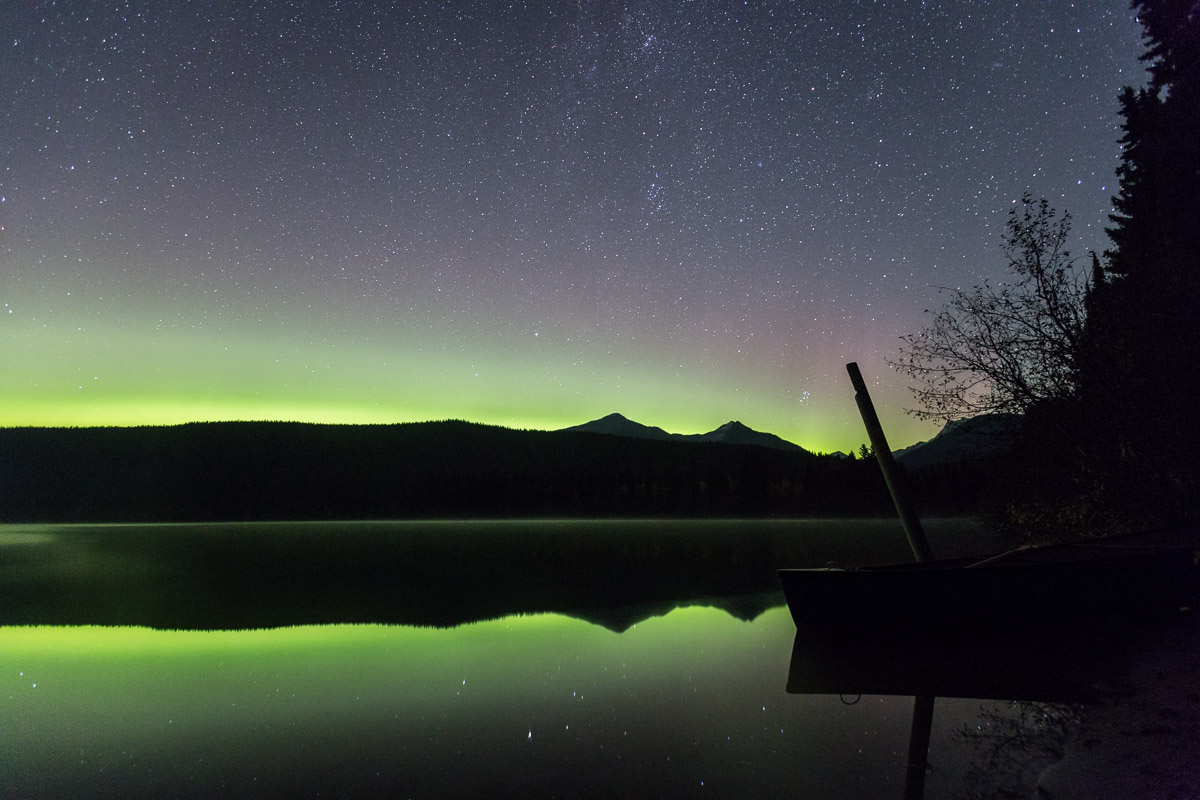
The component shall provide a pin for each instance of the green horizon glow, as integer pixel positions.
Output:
(183, 393)
(622, 229)
(125, 366)
(132, 413)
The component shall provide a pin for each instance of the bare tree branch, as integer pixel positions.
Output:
(1005, 348)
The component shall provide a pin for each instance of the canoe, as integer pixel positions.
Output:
(1078, 583)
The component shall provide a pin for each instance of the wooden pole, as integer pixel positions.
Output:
(918, 747)
(891, 475)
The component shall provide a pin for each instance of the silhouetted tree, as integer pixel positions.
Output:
(1155, 235)
(1106, 370)
(1008, 347)
(1139, 365)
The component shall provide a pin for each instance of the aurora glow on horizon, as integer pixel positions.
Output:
(529, 215)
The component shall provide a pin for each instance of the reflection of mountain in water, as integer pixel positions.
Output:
(435, 574)
(622, 618)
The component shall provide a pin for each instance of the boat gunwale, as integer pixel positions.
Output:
(1127, 547)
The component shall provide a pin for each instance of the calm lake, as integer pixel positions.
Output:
(509, 659)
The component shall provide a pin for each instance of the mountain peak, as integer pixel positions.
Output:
(732, 432)
(619, 425)
(970, 439)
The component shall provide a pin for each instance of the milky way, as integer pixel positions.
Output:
(523, 214)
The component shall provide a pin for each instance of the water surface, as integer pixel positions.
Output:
(539, 660)
(690, 704)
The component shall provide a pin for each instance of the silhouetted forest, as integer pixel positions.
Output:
(1119, 451)
(297, 471)
(1103, 372)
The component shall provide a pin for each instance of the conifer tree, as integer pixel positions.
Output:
(1155, 233)
(1112, 397)
(1139, 366)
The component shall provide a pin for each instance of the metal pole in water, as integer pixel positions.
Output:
(892, 476)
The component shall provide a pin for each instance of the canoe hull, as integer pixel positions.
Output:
(1065, 584)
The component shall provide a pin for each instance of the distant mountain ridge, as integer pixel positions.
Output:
(961, 440)
(732, 432)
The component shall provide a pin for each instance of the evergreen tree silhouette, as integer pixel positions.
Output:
(1139, 374)
(1155, 232)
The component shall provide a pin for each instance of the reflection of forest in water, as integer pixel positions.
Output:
(1141, 741)
(676, 694)
(252, 575)
(1013, 743)
(1110, 709)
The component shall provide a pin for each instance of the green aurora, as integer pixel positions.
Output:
(530, 219)
(128, 367)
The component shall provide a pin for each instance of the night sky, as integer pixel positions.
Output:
(523, 214)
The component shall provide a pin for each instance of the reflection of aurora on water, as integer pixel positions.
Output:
(545, 703)
(541, 703)
(534, 704)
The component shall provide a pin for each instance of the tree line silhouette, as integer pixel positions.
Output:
(299, 471)
(1103, 367)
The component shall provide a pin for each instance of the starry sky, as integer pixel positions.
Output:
(526, 214)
